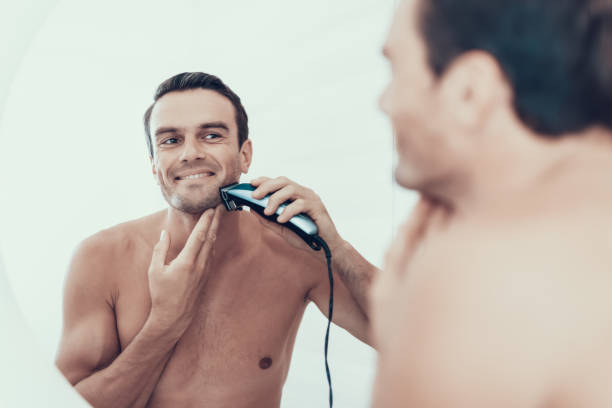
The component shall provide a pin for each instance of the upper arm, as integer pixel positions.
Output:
(89, 339)
(346, 311)
(458, 338)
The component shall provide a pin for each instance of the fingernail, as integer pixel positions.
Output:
(162, 235)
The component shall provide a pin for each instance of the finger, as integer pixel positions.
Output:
(160, 251)
(409, 236)
(404, 240)
(270, 186)
(401, 251)
(293, 209)
(413, 230)
(257, 181)
(280, 197)
(197, 237)
(392, 260)
(211, 238)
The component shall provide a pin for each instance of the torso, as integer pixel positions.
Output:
(549, 276)
(237, 350)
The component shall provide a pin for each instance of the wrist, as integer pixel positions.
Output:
(160, 326)
(338, 248)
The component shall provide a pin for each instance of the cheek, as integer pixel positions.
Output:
(414, 113)
(162, 166)
(229, 161)
(402, 103)
(405, 121)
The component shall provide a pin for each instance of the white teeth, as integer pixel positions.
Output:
(196, 176)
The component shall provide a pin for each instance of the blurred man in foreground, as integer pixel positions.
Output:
(496, 292)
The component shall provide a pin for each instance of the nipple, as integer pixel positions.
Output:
(265, 363)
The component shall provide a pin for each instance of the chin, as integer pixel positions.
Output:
(413, 179)
(190, 205)
(406, 177)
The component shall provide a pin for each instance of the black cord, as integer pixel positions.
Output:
(328, 257)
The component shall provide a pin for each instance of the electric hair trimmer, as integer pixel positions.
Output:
(236, 195)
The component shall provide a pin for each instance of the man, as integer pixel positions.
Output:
(194, 305)
(496, 293)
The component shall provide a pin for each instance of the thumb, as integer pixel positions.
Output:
(160, 250)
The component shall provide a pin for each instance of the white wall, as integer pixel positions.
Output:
(73, 157)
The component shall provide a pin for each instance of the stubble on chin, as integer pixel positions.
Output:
(193, 205)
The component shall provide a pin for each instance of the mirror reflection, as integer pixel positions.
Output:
(76, 107)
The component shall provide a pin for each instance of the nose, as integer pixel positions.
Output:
(192, 150)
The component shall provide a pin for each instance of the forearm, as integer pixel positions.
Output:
(356, 273)
(130, 380)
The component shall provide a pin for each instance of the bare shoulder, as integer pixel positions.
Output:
(282, 255)
(516, 315)
(540, 283)
(102, 253)
(273, 240)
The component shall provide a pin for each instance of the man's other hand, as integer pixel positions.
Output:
(175, 288)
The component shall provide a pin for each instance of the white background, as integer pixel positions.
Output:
(73, 158)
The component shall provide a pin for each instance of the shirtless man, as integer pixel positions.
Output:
(207, 314)
(496, 293)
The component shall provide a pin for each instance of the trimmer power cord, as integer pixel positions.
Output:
(328, 257)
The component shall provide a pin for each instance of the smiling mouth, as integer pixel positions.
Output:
(196, 176)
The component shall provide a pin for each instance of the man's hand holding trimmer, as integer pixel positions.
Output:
(301, 200)
(355, 272)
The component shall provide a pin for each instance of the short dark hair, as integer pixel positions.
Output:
(198, 80)
(556, 55)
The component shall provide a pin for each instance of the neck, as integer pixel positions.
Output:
(179, 226)
(543, 176)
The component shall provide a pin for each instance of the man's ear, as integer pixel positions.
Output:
(471, 88)
(246, 155)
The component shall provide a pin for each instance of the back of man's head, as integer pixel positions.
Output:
(556, 54)
(198, 80)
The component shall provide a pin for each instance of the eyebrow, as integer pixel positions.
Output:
(214, 125)
(203, 126)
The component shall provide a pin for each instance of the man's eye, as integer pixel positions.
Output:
(211, 136)
(171, 140)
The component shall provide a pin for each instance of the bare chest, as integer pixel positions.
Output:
(241, 336)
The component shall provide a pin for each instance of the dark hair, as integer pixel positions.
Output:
(198, 80)
(557, 55)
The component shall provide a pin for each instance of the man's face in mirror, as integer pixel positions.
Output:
(409, 98)
(425, 110)
(195, 148)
